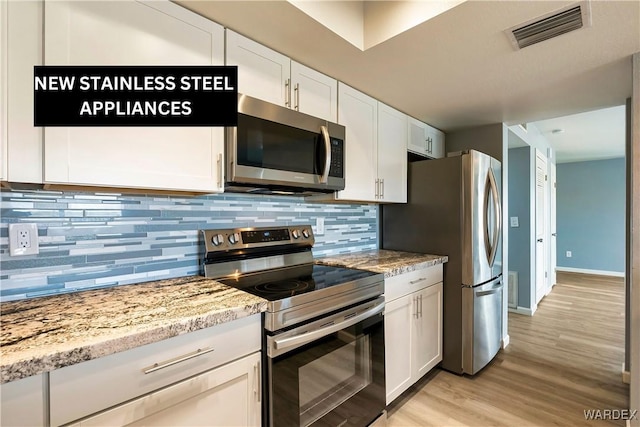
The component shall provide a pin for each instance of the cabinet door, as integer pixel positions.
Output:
(226, 396)
(314, 93)
(23, 35)
(392, 154)
(3, 90)
(359, 114)
(436, 143)
(23, 402)
(417, 142)
(398, 319)
(427, 333)
(132, 33)
(262, 73)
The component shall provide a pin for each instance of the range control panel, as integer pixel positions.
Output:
(256, 237)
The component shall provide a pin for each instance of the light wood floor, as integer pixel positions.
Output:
(565, 359)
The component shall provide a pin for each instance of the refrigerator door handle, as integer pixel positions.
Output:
(498, 218)
(491, 247)
(493, 290)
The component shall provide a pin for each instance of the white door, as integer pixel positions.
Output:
(226, 396)
(359, 114)
(540, 253)
(552, 225)
(427, 350)
(392, 154)
(399, 315)
(132, 33)
(314, 93)
(262, 72)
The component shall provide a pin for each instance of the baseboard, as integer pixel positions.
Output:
(626, 375)
(505, 341)
(522, 310)
(587, 271)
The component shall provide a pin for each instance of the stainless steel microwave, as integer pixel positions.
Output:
(276, 149)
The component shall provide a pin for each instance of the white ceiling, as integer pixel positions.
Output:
(593, 135)
(459, 69)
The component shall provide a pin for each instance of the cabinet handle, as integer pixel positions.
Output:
(296, 91)
(377, 188)
(287, 93)
(414, 302)
(257, 384)
(413, 282)
(420, 305)
(382, 188)
(220, 171)
(171, 362)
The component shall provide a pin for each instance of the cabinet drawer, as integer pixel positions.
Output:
(403, 284)
(88, 387)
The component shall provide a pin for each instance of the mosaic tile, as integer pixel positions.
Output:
(90, 240)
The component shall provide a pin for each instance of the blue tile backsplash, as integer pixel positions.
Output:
(90, 240)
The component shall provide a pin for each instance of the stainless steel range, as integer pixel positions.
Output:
(323, 345)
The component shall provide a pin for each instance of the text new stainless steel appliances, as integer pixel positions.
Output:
(454, 209)
(276, 148)
(323, 345)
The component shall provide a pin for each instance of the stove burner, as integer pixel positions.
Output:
(291, 286)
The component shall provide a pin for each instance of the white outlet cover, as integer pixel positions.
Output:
(319, 225)
(15, 249)
(514, 221)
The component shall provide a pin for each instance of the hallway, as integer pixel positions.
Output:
(564, 360)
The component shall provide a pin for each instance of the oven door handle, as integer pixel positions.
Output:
(307, 337)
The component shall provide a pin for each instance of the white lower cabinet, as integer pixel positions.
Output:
(207, 377)
(23, 402)
(413, 328)
(225, 396)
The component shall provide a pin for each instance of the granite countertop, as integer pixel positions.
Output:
(391, 263)
(42, 334)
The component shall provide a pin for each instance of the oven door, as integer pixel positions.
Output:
(276, 146)
(329, 372)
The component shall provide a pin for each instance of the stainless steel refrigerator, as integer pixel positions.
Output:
(454, 209)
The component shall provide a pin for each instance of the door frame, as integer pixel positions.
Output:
(539, 293)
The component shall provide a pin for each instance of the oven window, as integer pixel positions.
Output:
(329, 380)
(332, 379)
(270, 145)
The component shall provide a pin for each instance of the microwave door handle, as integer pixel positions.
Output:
(327, 161)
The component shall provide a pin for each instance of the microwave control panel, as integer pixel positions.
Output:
(337, 158)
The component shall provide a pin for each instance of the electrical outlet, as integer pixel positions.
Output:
(569, 254)
(319, 225)
(514, 221)
(23, 239)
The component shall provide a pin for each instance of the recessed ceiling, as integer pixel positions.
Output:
(459, 69)
(365, 24)
(594, 135)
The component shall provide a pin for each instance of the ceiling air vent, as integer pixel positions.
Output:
(543, 28)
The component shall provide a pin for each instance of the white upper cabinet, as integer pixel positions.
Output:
(3, 90)
(392, 154)
(313, 92)
(132, 33)
(376, 149)
(425, 140)
(268, 75)
(262, 73)
(359, 114)
(21, 34)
